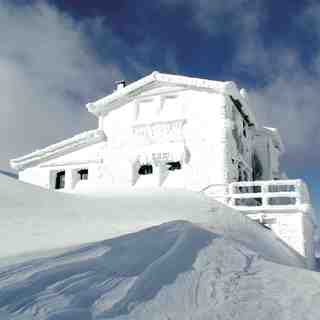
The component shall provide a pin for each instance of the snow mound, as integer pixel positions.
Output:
(177, 270)
(34, 219)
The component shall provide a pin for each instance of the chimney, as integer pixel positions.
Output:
(120, 84)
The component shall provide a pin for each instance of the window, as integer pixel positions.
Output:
(145, 169)
(173, 166)
(60, 180)
(171, 108)
(83, 173)
(147, 110)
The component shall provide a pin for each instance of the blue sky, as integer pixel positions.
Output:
(58, 55)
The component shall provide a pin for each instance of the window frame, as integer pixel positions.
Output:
(145, 169)
(83, 174)
(174, 165)
(59, 182)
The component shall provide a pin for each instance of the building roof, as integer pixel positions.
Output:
(157, 79)
(58, 149)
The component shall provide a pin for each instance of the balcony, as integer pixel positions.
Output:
(257, 196)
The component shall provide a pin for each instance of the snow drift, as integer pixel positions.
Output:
(210, 263)
(173, 271)
(34, 219)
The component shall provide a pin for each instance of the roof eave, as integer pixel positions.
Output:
(125, 95)
(43, 155)
(108, 103)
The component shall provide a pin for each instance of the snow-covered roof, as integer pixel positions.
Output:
(157, 79)
(69, 145)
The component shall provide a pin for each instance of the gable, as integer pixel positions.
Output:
(154, 81)
(159, 81)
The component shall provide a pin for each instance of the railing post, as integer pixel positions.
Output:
(299, 190)
(226, 194)
(264, 191)
(230, 191)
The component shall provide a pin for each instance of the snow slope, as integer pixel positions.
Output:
(209, 263)
(177, 270)
(33, 219)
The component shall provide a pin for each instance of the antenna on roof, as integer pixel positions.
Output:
(120, 84)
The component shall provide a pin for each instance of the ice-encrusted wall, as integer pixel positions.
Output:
(267, 153)
(239, 142)
(90, 157)
(164, 126)
(203, 131)
(158, 127)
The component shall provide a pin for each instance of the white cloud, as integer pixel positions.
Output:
(48, 73)
(290, 98)
(291, 104)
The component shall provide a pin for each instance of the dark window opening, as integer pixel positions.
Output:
(83, 173)
(60, 180)
(174, 166)
(145, 169)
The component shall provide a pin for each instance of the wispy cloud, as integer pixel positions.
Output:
(49, 70)
(290, 103)
(286, 94)
(48, 73)
(219, 16)
(289, 99)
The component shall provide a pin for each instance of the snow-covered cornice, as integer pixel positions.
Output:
(275, 136)
(69, 145)
(157, 79)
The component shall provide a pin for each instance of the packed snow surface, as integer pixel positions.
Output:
(209, 263)
(173, 271)
(35, 219)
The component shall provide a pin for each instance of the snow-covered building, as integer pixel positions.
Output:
(181, 132)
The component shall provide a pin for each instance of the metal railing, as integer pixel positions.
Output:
(262, 195)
